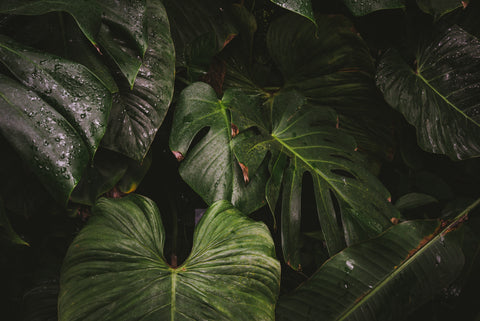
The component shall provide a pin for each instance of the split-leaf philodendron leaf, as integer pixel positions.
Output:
(382, 279)
(138, 113)
(440, 95)
(56, 119)
(307, 136)
(210, 166)
(115, 268)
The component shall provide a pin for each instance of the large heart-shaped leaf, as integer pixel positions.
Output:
(308, 137)
(382, 279)
(138, 113)
(115, 270)
(210, 166)
(57, 122)
(439, 96)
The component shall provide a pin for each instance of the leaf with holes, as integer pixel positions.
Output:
(440, 96)
(307, 135)
(384, 278)
(57, 119)
(138, 113)
(115, 269)
(209, 166)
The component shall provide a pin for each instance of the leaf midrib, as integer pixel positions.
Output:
(403, 265)
(444, 98)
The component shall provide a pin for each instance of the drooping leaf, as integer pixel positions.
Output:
(56, 123)
(364, 7)
(308, 137)
(381, 279)
(440, 95)
(301, 7)
(115, 269)
(138, 113)
(210, 166)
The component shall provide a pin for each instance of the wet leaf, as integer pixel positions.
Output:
(364, 7)
(440, 95)
(382, 279)
(231, 273)
(301, 7)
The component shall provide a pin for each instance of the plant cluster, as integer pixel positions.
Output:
(239, 160)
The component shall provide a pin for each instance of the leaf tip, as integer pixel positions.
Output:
(464, 4)
(394, 220)
(244, 172)
(179, 156)
(234, 130)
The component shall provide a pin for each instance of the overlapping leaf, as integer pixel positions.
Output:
(382, 279)
(308, 137)
(301, 7)
(440, 95)
(210, 166)
(115, 270)
(56, 121)
(138, 113)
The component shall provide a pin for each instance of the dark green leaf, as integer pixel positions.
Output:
(210, 167)
(301, 7)
(87, 13)
(6, 228)
(115, 269)
(414, 200)
(307, 135)
(381, 279)
(440, 95)
(440, 7)
(364, 7)
(138, 113)
(73, 90)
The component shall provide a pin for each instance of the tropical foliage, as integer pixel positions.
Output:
(239, 160)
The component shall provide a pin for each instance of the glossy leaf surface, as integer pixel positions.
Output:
(58, 119)
(307, 135)
(381, 279)
(364, 7)
(210, 166)
(138, 113)
(301, 7)
(115, 269)
(440, 97)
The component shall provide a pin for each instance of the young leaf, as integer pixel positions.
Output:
(381, 279)
(210, 167)
(115, 269)
(440, 95)
(138, 113)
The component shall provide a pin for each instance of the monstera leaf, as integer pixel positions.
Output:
(210, 166)
(307, 136)
(440, 95)
(381, 279)
(56, 119)
(138, 113)
(115, 269)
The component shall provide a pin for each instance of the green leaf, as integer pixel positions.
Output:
(301, 7)
(332, 66)
(115, 269)
(414, 200)
(308, 136)
(382, 279)
(58, 120)
(210, 166)
(440, 95)
(87, 13)
(138, 113)
(364, 7)
(440, 7)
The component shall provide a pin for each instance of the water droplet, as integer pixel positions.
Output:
(45, 143)
(349, 264)
(345, 285)
(66, 176)
(83, 115)
(57, 139)
(438, 259)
